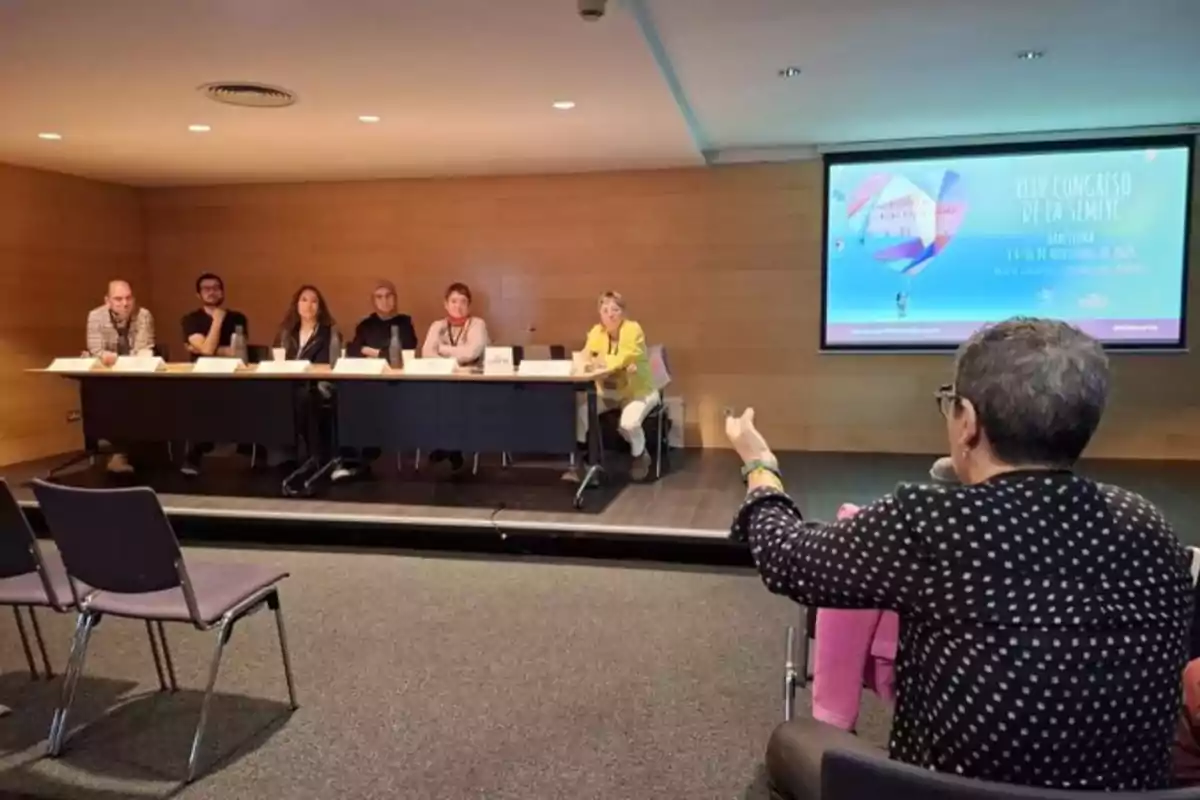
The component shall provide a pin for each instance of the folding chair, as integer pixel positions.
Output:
(122, 559)
(29, 579)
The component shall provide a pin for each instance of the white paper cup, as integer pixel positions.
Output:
(279, 354)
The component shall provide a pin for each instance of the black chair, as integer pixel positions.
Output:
(123, 560)
(857, 776)
(29, 578)
(258, 353)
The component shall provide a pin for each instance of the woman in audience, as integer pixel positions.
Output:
(1044, 618)
(619, 344)
(307, 327)
(459, 336)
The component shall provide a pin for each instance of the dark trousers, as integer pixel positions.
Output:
(794, 756)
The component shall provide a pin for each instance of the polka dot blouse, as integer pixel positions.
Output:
(1044, 621)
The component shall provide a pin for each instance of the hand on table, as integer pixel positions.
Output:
(370, 352)
(746, 440)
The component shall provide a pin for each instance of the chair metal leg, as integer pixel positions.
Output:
(789, 676)
(158, 667)
(274, 603)
(658, 444)
(79, 643)
(33, 671)
(41, 643)
(417, 461)
(167, 660)
(804, 658)
(475, 465)
(222, 638)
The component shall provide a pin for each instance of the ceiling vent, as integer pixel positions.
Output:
(248, 95)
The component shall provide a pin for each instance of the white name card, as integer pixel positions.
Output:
(407, 356)
(138, 364)
(546, 368)
(360, 366)
(430, 366)
(217, 365)
(72, 364)
(283, 367)
(498, 361)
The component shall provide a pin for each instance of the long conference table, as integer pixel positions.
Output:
(397, 411)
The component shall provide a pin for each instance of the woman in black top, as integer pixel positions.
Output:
(306, 334)
(1044, 617)
(307, 327)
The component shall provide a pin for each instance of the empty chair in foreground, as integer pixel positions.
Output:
(29, 578)
(123, 560)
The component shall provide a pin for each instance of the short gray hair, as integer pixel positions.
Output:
(614, 297)
(1039, 387)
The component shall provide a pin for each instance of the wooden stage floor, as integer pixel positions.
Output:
(694, 503)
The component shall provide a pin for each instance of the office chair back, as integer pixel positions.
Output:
(114, 540)
(18, 547)
(854, 776)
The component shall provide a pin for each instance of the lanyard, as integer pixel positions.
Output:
(454, 340)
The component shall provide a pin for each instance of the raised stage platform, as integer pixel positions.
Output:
(526, 508)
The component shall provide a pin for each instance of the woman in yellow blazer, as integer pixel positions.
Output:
(619, 344)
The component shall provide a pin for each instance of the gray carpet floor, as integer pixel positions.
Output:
(430, 677)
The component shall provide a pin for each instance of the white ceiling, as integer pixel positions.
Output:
(465, 86)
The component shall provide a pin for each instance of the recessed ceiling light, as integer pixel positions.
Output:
(789, 72)
(1030, 55)
(563, 105)
(199, 128)
(51, 137)
(368, 118)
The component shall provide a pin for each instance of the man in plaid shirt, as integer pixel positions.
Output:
(119, 328)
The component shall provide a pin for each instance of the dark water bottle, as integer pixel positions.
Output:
(237, 344)
(335, 347)
(394, 353)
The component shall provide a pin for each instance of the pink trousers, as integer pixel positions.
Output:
(853, 649)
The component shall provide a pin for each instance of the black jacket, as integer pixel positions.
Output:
(376, 332)
(316, 349)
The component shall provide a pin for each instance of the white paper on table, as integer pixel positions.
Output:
(282, 367)
(498, 361)
(217, 365)
(360, 366)
(73, 364)
(138, 364)
(547, 368)
(430, 366)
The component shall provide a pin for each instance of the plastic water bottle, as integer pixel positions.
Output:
(395, 353)
(335, 347)
(237, 343)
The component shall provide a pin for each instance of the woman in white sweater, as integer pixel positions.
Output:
(459, 335)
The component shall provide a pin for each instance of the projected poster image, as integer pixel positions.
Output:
(922, 253)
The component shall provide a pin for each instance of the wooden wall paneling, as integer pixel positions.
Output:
(722, 265)
(61, 240)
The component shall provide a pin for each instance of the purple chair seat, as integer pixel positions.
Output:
(218, 588)
(28, 590)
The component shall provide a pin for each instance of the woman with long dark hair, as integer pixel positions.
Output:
(307, 326)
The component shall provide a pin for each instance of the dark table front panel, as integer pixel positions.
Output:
(484, 416)
(157, 409)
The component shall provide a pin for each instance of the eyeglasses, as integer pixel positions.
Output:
(946, 398)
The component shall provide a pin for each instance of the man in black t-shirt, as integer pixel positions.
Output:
(208, 331)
